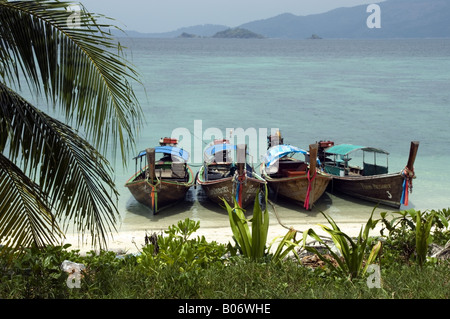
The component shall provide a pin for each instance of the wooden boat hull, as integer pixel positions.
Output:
(227, 188)
(386, 189)
(161, 195)
(296, 188)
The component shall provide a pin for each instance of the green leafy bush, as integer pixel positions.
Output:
(354, 261)
(35, 273)
(410, 233)
(253, 244)
(177, 251)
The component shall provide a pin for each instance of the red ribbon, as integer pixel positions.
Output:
(310, 180)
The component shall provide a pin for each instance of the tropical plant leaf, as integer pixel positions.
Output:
(81, 68)
(352, 252)
(240, 228)
(286, 245)
(25, 215)
(372, 256)
(260, 227)
(423, 229)
(74, 176)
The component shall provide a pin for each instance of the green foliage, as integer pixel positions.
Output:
(410, 232)
(423, 236)
(35, 272)
(353, 253)
(253, 244)
(287, 245)
(178, 252)
(182, 267)
(250, 244)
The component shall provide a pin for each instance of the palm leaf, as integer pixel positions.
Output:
(81, 69)
(74, 176)
(25, 215)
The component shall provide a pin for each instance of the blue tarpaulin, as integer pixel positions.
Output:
(210, 151)
(279, 151)
(175, 151)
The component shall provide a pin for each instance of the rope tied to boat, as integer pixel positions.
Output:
(408, 176)
(308, 193)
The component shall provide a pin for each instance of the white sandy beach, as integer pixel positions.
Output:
(130, 241)
(215, 226)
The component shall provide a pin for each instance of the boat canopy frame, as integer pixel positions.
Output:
(209, 154)
(169, 150)
(344, 150)
(179, 153)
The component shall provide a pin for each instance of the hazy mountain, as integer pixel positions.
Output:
(399, 19)
(205, 30)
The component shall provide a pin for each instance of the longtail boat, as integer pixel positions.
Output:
(164, 181)
(300, 180)
(223, 177)
(370, 180)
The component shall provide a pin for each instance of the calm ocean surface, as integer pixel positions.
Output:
(381, 93)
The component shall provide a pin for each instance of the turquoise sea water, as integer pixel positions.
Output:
(381, 93)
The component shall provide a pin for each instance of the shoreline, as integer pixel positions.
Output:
(131, 241)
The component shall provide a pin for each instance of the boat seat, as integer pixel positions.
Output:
(164, 173)
(214, 176)
(290, 173)
(178, 170)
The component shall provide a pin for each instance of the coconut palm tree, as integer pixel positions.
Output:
(54, 172)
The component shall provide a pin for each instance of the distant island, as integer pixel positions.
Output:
(230, 33)
(238, 33)
(314, 37)
(188, 35)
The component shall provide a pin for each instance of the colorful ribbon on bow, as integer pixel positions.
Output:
(239, 188)
(408, 176)
(308, 193)
(154, 195)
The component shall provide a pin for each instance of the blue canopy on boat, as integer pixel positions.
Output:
(172, 150)
(344, 149)
(276, 152)
(210, 151)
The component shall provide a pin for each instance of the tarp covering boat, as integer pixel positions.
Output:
(210, 151)
(175, 151)
(279, 151)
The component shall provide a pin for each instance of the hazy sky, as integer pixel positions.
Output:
(169, 15)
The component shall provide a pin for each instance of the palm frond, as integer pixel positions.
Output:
(80, 68)
(25, 215)
(73, 174)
